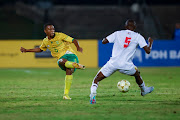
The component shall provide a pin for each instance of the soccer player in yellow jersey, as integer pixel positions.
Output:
(59, 45)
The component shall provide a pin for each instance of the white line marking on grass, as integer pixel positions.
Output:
(166, 93)
(28, 71)
(169, 88)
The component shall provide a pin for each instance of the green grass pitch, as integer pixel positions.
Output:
(36, 94)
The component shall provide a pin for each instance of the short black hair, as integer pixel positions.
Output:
(130, 24)
(45, 25)
(130, 20)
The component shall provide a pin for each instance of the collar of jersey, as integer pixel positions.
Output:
(129, 30)
(51, 39)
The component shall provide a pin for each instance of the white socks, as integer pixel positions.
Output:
(142, 86)
(94, 87)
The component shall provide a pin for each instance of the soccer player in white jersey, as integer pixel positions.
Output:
(125, 45)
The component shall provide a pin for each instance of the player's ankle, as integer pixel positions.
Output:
(142, 86)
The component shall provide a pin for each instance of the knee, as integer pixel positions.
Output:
(99, 77)
(137, 73)
(62, 61)
(69, 71)
(97, 80)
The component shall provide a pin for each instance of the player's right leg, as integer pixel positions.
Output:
(133, 71)
(69, 63)
(68, 82)
(144, 89)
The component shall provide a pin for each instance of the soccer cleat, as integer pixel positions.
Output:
(66, 97)
(92, 99)
(147, 90)
(78, 66)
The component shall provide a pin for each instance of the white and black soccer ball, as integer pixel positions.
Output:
(123, 86)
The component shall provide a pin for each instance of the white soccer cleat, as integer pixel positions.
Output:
(78, 66)
(81, 66)
(92, 99)
(66, 97)
(147, 90)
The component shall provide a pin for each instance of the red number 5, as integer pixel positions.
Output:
(127, 41)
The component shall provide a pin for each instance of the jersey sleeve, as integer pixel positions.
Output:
(43, 46)
(111, 38)
(141, 41)
(67, 38)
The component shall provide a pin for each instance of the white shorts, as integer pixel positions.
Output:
(109, 69)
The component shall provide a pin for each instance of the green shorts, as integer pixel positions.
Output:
(69, 57)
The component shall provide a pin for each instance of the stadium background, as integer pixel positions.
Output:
(32, 85)
(88, 21)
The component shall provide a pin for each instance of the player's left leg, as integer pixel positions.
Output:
(69, 64)
(66, 63)
(104, 72)
(94, 86)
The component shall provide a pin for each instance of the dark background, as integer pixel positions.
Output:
(88, 19)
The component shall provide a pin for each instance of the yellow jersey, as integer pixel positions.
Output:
(59, 45)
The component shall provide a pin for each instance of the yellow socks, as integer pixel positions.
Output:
(68, 81)
(69, 64)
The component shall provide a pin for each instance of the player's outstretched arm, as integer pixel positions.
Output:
(30, 50)
(77, 46)
(105, 41)
(149, 46)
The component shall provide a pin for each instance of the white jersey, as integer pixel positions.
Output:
(124, 48)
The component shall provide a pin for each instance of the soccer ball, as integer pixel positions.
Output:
(123, 86)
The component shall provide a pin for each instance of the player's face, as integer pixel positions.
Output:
(50, 31)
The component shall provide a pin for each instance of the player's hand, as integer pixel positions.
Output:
(80, 49)
(23, 50)
(150, 40)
